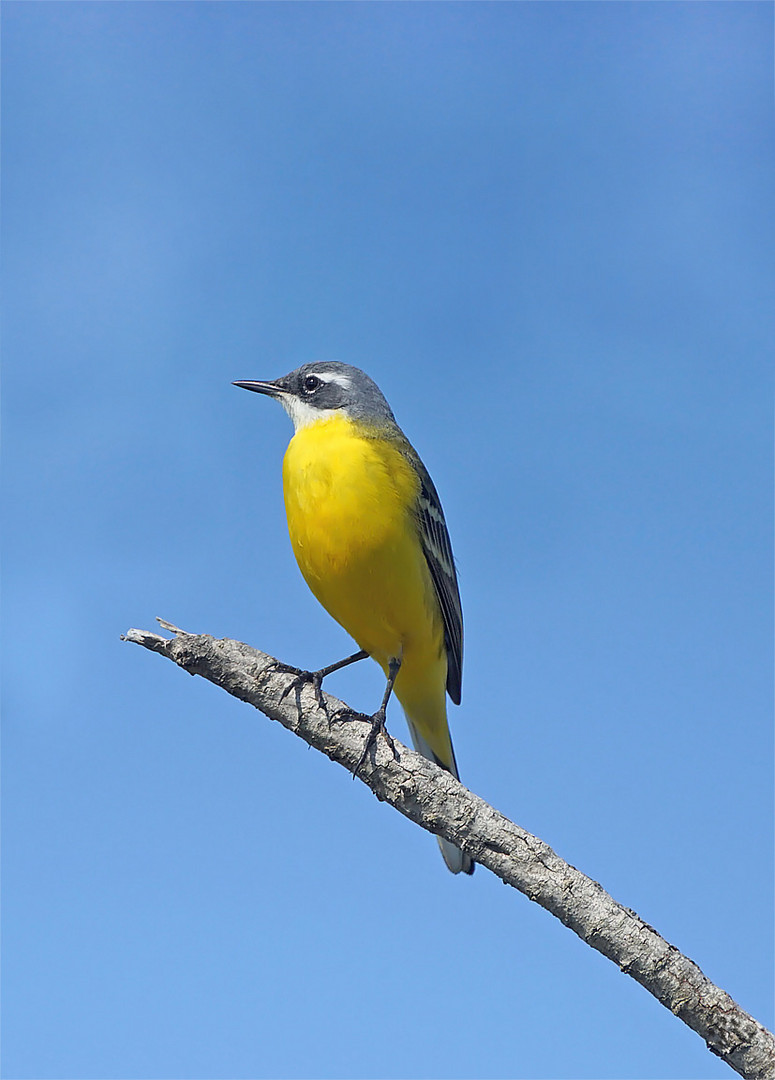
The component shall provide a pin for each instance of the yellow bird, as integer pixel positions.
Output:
(369, 535)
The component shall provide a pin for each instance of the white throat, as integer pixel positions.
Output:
(302, 413)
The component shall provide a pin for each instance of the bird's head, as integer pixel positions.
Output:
(315, 391)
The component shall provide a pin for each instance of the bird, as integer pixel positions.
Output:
(368, 531)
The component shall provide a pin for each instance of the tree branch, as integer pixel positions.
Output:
(433, 799)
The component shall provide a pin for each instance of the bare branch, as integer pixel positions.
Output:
(439, 803)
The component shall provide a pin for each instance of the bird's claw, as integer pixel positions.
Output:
(377, 722)
(315, 677)
(302, 677)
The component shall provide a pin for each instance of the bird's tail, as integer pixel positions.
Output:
(457, 861)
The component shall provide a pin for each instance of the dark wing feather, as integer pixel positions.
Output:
(441, 563)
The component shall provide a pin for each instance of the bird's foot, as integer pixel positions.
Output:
(314, 677)
(302, 677)
(377, 722)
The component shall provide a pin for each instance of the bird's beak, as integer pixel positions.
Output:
(260, 387)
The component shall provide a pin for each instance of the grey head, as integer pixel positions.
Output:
(314, 391)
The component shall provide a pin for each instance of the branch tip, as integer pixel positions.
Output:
(171, 627)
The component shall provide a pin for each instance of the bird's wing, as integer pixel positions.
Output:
(441, 563)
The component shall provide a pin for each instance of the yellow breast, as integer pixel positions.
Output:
(345, 493)
(350, 502)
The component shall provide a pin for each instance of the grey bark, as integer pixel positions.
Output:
(439, 803)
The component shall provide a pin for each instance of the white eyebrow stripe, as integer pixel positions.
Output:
(333, 377)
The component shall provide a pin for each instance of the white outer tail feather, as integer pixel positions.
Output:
(457, 861)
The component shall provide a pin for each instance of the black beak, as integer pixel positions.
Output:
(260, 387)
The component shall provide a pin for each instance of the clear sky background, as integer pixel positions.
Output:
(546, 230)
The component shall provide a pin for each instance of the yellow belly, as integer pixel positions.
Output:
(349, 502)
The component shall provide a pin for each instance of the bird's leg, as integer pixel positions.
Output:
(378, 719)
(315, 677)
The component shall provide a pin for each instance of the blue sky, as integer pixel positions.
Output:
(546, 230)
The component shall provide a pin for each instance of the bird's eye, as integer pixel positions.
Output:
(311, 383)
